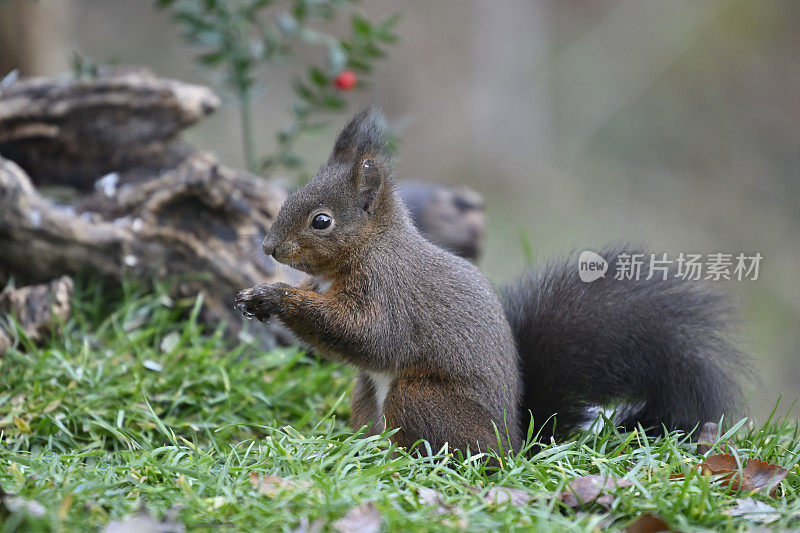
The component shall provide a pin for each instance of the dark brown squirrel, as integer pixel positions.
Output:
(439, 356)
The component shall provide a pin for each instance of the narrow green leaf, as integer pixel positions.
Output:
(318, 77)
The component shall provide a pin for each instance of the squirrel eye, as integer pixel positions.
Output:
(321, 222)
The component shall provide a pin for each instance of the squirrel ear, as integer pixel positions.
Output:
(370, 179)
(364, 134)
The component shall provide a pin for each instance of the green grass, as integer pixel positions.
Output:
(93, 433)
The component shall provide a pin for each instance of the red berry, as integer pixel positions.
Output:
(346, 80)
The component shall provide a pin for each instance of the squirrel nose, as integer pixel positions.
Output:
(268, 246)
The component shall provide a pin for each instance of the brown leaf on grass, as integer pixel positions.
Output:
(759, 475)
(647, 523)
(272, 485)
(501, 495)
(715, 465)
(755, 476)
(707, 437)
(722, 463)
(592, 488)
(753, 510)
(362, 519)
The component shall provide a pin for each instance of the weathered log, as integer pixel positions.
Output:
(451, 217)
(68, 131)
(195, 223)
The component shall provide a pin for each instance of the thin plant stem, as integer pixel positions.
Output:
(247, 131)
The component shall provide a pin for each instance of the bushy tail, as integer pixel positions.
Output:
(656, 351)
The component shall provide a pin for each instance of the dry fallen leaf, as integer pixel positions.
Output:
(434, 498)
(362, 519)
(145, 523)
(66, 504)
(759, 475)
(722, 464)
(16, 504)
(501, 495)
(587, 489)
(647, 523)
(716, 465)
(309, 527)
(756, 475)
(707, 437)
(753, 510)
(22, 425)
(272, 485)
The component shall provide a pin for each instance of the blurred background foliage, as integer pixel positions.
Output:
(241, 37)
(672, 124)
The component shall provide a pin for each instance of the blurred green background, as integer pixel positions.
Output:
(674, 124)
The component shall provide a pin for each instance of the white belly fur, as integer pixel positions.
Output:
(381, 382)
(323, 284)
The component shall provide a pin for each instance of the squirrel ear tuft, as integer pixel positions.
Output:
(364, 134)
(370, 175)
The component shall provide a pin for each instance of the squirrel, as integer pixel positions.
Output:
(440, 358)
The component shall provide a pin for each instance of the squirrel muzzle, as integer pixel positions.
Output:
(268, 245)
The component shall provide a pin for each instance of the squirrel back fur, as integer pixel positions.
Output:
(439, 356)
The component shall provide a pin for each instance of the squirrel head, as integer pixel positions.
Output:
(351, 200)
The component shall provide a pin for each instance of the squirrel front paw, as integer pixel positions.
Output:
(262, 301)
